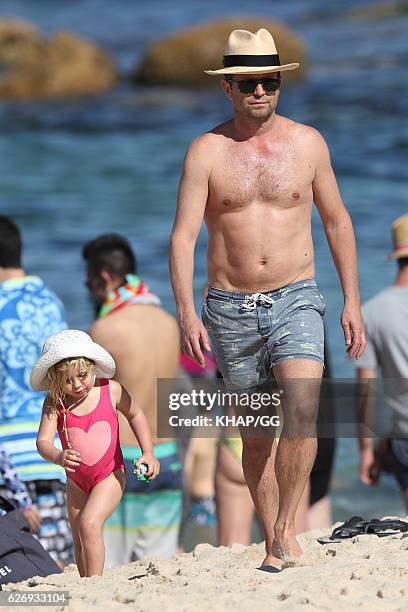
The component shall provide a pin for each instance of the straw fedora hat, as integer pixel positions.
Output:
(70, 343)
(400, 238)
(248, 53)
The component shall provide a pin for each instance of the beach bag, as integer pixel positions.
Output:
(21, 555)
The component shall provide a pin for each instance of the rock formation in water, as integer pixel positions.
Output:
(381, 10)
(32, 66)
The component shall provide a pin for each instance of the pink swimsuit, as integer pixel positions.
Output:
(96, 437)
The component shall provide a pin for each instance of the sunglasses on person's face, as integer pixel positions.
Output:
(247, 86)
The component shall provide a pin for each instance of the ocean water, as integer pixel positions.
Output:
(72, 169)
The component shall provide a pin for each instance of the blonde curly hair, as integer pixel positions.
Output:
(58, 374)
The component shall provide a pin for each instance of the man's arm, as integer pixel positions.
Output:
(364, 410)
(340, 236)
(192, 200)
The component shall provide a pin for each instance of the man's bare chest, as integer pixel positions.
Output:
(240, 177)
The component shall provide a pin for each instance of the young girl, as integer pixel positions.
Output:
(82, 406)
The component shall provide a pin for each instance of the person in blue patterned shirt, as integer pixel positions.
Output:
(29, 313)
(18, 491)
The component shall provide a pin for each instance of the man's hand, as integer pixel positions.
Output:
(194, 338)
(369, 469)
(353, 328)
(33, 518)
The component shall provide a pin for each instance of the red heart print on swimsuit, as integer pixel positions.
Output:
(91, 444)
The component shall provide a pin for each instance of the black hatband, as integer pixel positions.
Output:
(251, 60)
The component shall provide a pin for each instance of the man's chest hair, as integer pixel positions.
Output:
(280, 174)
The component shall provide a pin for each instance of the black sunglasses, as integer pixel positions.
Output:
(249, 85)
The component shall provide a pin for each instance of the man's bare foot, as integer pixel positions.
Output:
(271, 561)
(286, 548)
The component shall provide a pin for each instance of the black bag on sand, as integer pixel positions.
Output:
(21, 555)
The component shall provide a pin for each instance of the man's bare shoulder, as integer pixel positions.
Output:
(307, 140)
(206, 142)
(302, 132)
(100, 330)
(117, 324)
(307, 135)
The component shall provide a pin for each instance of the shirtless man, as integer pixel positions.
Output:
(144, 341)
(254, 180)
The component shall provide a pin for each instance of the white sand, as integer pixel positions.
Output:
(363, 573)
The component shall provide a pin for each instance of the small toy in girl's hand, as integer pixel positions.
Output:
(141, 471)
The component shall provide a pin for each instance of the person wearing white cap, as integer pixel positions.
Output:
(253, 179)
(386, 321)
(82, 405)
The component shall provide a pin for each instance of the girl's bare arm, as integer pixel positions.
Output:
(46, 435)
(69, 459)
(140, 427)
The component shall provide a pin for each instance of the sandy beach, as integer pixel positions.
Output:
(365, 572)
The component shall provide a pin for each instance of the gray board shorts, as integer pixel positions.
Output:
(252, 332)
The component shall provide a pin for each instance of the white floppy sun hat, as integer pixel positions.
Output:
(248, 53)
(66, 344)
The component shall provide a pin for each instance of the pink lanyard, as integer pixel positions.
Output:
(64, 414)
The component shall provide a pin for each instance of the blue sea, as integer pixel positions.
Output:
(72, 169)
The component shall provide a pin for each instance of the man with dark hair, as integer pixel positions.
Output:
(144, 341)
(29, 313)
(110, 252)
(386, 321)
(10, 244)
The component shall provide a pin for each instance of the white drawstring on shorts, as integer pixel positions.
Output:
(251, 301)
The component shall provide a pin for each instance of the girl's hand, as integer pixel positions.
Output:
(69, 459)
(152, 463)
